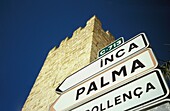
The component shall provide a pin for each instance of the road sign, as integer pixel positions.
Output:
(111, 78)
(161, 105)
(132, 46)
(138, 92)
(111, 46)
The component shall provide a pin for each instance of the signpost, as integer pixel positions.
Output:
(139, 92)
(111, 46)
(130, 47)
(111, 78)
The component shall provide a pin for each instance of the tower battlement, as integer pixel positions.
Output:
(72, 54)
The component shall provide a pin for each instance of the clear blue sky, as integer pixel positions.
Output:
(30, 28)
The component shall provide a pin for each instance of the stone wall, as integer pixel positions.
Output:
(73, 54)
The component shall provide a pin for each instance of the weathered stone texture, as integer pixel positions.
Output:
(73, 54)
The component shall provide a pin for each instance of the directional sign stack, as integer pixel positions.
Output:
(123, 79)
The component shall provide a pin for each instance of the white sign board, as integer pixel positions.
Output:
(138, 92)
(132, 46)
(111, 78)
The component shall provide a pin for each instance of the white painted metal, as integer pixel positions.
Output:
(140, 95)
(95, 67)
(68, 99)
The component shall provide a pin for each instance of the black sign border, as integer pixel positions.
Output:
(155, 104)
(147, 45)
(162, 82)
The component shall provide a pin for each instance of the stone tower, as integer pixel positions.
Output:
(73, 54)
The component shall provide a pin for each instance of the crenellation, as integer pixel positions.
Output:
(77, 32)
(94, 22)
(72, 54)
